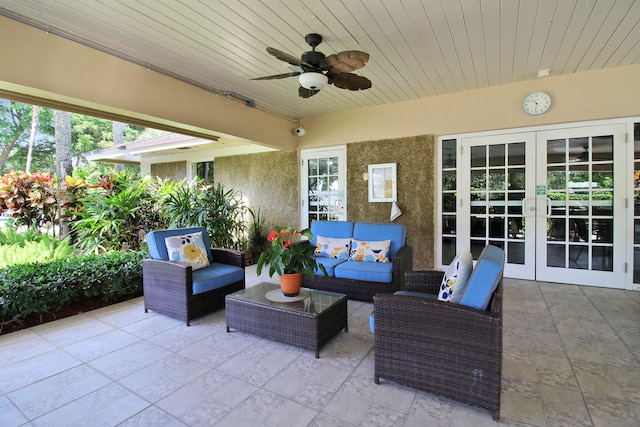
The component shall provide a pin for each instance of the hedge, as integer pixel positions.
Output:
(40, 288)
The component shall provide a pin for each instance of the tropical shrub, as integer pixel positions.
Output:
(38, 248)
(30, 198)
(257, 234)
(116, 212)
(40, 288)
(222, 212)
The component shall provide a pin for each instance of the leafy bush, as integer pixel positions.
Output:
(115, 212)
(11, 236)
(40, 288)
(222, 212)
(43, 249)
(28, 197)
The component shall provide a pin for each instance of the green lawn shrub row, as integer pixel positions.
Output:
(39, 288)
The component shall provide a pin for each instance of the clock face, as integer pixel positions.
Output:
(536, 103)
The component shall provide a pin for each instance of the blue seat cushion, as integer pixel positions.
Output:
(216, 276)
(329, 265)
(372, 323)
(369, 271)
(484, 279)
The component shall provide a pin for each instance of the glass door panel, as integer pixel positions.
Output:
(500, 182)
(579, 243)
(323, 183)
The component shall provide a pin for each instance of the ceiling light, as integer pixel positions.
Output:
(313, 80)
(543, 73)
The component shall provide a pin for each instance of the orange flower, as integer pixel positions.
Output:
(272, 236)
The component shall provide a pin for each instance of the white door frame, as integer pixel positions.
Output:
(628, 165)
(337, 206)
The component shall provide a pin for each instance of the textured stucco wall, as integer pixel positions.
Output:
(414, 157)
(268, 181)
(171, 170)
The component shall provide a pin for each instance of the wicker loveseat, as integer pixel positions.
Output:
(176, 290)
(440, 347)
(357, 279)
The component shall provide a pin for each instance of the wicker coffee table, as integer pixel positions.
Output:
(309, 323)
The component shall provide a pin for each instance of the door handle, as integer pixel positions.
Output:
(528, 206)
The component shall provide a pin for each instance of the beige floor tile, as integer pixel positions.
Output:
(571, 357)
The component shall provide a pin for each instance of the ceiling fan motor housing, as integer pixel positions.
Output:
(313, 57)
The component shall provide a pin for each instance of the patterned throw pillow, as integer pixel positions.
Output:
(330, 247)
(370, 251)
(188, 249)
(456, 277)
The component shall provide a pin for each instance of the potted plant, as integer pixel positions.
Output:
(290, 257)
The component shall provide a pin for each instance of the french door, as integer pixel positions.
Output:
(549, 199)
(323, 185)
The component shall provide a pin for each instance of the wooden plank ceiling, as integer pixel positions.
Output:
(418, 48)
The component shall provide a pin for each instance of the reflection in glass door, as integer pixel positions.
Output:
(549, 199)
(323, 185)
(579, 241)
(501, 196)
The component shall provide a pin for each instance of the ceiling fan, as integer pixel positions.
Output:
(319, 70)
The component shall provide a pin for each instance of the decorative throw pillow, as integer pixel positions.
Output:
(456, 277)
(370, 251)
(330, 247)
(188, 249)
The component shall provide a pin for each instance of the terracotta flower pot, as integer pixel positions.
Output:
(290, 284)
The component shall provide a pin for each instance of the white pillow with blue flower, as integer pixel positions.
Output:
(456, 277)
(331, 247)
(188, 249)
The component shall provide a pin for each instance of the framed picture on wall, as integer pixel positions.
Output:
(382, 182)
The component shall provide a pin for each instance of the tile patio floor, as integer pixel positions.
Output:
(571, 358)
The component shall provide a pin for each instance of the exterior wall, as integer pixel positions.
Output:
(415, 184)
(590, 95)
(268, 181)
(172, 170)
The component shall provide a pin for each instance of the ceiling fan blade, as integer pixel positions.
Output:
(345, 62)
(290, 59)
(279, 76)
(349, 81)
(306, 93)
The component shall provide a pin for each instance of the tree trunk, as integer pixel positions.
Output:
(118, 139)
(35, 123)
(6, 152)
(64, 165)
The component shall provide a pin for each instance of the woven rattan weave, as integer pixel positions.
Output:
(440, 347)
(309, 323)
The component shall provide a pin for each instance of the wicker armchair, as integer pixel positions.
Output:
(169, 286)
(440, 347)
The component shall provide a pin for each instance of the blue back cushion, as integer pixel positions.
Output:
(397, 233)
(158, 247)
(336, 229)
(484, 279)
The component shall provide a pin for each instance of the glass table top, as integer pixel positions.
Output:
(315, 303)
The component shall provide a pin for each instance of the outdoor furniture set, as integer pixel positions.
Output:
(442, 335)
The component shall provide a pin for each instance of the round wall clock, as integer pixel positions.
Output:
(536, 103)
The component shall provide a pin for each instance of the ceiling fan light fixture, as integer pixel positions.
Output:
(313, 80)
